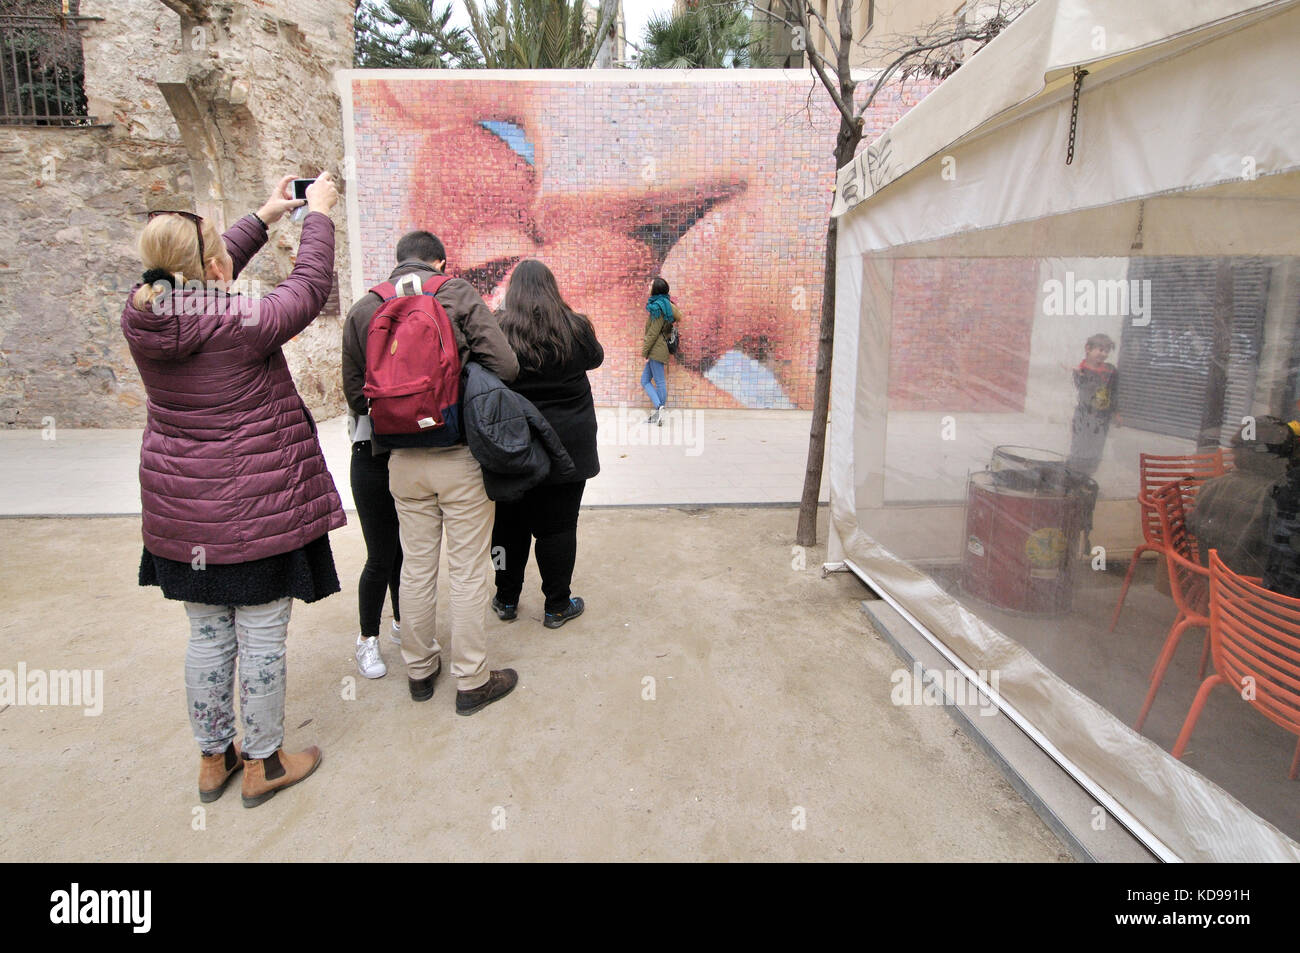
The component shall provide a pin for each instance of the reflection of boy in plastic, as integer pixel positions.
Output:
(1097, 382)
(1233, 511)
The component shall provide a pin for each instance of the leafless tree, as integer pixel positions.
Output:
(935, 52)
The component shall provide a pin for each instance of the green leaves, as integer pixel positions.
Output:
(535, 34)
(410, 34)
(713, 35)
(503, 34)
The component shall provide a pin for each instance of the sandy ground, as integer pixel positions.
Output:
(771, 706)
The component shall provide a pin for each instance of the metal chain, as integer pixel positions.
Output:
(1137, 239)
(1079, 74)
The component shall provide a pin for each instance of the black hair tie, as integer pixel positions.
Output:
(155, 275)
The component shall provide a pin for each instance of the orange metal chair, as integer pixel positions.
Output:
(1189, 582)
(1255, 644)
(1156, 471)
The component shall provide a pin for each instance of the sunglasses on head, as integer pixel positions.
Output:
(198, 225)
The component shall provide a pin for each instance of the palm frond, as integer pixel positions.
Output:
(707, 36)
(410, 34)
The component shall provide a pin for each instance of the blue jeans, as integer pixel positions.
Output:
(256, 635)
(659, 392)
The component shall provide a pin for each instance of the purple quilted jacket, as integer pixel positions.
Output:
(230, 460)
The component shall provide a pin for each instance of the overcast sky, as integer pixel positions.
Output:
(636, 12)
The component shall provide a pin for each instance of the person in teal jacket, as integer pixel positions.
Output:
(654, 379)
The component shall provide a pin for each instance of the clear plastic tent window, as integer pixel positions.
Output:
(1035, 362)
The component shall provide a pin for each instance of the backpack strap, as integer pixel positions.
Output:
(429, 286)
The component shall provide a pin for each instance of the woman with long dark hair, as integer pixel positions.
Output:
(556, 348)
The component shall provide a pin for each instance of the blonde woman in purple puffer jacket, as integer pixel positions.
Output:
(236, 499)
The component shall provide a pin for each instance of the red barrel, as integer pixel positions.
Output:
(1016, 554)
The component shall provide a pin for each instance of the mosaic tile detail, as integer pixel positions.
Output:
(723, 187)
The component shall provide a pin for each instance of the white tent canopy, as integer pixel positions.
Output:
(1187, 144)
(1030, 67)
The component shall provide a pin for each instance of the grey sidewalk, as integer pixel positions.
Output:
(697, 457)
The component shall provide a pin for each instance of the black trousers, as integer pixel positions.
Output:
(548, 514)
(378, 515)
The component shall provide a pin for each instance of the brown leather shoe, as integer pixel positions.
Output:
(215, 771)
(422, 688)
(498, 686)
(263, 777)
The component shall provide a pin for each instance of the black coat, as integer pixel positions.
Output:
(509, 438)
(563, 394)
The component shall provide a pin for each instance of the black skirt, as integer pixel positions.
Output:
(306, 573)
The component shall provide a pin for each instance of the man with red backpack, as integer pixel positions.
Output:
(405, 344)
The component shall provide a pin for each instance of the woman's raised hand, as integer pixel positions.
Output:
(321, 194)
(279, 203)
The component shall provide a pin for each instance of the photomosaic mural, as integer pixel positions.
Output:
(720, 181)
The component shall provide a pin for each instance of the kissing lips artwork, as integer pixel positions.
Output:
(723, 188)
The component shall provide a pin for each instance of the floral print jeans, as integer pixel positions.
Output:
(256, 634)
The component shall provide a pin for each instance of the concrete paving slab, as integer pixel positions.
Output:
(769, 733)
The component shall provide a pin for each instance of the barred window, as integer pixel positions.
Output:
(42, 72)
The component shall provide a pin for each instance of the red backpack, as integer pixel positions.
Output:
(413, 366)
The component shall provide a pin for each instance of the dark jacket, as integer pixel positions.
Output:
(563, 394)
(230, 460)
(661, 313)
(1233, 511)
(1282, 565)
(509, 438)
(478, 335)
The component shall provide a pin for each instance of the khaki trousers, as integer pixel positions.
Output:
(437, 488)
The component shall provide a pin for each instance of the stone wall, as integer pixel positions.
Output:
(253, 89)
(72, 207)
(202, 106)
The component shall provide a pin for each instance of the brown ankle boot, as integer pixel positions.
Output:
(215, 771)
(264, 776)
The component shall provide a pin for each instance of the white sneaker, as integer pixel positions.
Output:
(396, 633)
(369, 661)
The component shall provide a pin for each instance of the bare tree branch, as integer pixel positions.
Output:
(917, 55)
(816, 61)
(888, 71)
(826, 30)
(843, 58)
(914, 52)
(804, 7)
(812, 51)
